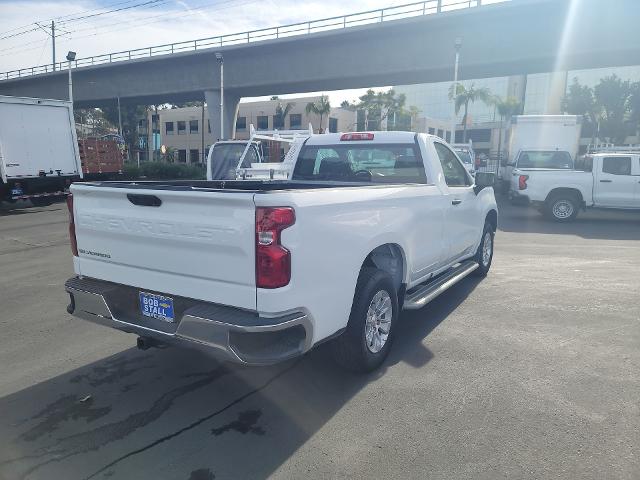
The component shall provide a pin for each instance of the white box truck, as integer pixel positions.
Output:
(541, 141)
(39, 155)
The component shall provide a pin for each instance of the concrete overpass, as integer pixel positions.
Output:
(517, 37)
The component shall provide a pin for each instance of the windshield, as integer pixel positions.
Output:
(395, 163)
(225, 158)
(464, 156)
(551, 159)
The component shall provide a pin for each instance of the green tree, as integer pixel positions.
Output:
(463, 96)
(321, 108)
(580, 100)
(281, 113)
(613, 96)
(131, 114)
(634, 108)
(507, 107)
(381, 106)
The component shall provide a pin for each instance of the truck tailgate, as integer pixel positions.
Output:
(193, 244)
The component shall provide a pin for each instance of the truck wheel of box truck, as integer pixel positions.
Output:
(366, 342)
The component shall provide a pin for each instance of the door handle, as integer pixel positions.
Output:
(606, 181)
(457, 201)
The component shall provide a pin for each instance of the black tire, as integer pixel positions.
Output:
(350, 349)
(488, 235)
(562, 207)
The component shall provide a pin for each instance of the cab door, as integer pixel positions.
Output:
(461, 219)
(616, 186)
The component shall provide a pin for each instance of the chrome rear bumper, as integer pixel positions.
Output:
(229, 333)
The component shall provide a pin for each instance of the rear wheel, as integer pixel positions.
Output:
(562, 207)
(367, 339)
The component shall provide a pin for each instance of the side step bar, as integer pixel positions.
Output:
(424, 293)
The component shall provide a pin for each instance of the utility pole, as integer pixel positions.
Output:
(53, 43)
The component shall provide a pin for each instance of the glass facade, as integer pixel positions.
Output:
(433, 99)
(543, 92)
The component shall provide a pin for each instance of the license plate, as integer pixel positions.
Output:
(156, 306)
(17, 192)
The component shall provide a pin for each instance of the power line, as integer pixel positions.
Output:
(149, 2)
(68, 15)
(65, 18)
(159, 17)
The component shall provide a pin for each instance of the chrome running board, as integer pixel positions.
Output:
(419, 296)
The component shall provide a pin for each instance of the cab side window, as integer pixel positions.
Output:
(455, 175)
(616, 165)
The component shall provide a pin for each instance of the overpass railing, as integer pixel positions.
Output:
(417, 9)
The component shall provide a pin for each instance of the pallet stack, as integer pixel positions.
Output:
(99, 156)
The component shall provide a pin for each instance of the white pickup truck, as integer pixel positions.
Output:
(603, 180)
(261, 271)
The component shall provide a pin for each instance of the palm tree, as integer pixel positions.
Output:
(281, 113)
(321, 108)
(507, 108)
(463, 96)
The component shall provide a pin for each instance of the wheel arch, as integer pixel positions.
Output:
(390, 258)
(566, 191)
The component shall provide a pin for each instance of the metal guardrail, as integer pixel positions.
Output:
(417, 9)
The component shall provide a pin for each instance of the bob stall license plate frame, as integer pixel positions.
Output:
(157, 306)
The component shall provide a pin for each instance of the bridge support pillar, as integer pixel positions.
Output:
(231, 103)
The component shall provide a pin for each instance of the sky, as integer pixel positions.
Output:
(85, 27)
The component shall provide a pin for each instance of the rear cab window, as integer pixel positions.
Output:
(361, 162)
(545, 159)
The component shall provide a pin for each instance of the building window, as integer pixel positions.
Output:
(278, 122)
(441, 133)
(194, 155)
(182, 127)
(333, 125)
(182, 156)
(448, 136)
(479, 135)
(193, 126)
(208, 126)
(241, 123)
(263, 122)
(295, 120)
(168, 128)
(432, 131)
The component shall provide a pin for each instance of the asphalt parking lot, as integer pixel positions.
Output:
(531, 373)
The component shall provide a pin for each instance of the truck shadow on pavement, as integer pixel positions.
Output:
(593, 224)
(178, 414)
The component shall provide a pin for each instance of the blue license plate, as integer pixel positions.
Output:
(16, 192)
(156, 306)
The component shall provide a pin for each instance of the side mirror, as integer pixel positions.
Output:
(484, 180)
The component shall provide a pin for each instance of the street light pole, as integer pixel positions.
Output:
(220, 60)
(457, 45)
(71, 56)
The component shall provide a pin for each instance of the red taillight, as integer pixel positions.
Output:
(522, 182)
(348, 137)
(72, 227)
(273, 261)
